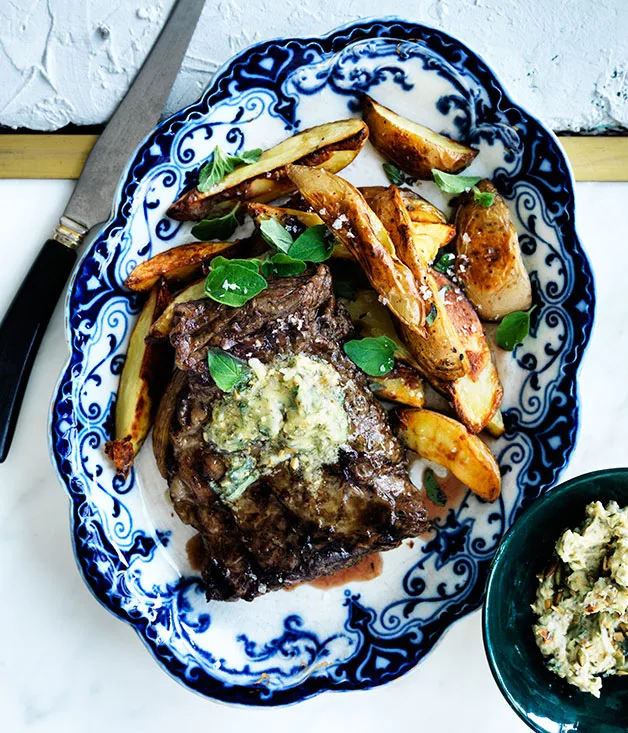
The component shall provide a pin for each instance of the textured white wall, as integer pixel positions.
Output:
(67, 61)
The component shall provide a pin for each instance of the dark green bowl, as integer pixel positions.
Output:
(543, 700)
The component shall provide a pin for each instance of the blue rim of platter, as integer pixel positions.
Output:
(267, 65)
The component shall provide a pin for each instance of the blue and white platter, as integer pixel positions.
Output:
(130, 546)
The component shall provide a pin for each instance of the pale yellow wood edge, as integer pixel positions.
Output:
(63, 156)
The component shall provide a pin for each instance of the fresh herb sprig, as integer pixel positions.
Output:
(396, 176)
(375, 356)
(450, 183)
(282, 265)
(221, 164)
(220, 228)
(315, 244)
(432, 488)
(444, 263)
(234, 282)
(226, 371)
(514, 329)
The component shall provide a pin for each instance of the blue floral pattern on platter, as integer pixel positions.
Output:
(284, 647)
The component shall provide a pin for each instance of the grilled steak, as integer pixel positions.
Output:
(287, 525)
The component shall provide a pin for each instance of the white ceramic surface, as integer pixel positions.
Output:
(67, 665)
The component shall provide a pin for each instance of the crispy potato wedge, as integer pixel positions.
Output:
(476, 396)
(439, 351)
(142, 376)
(447, 442)
(161, 327)
(413, 148)
(331, 146)
(495, 426)
(428, 238)
(296, 222)
(489, 262)
(343, 208)
(403, 384)
(429, 232)
(178, 265)
(163, 418)
(420, 209)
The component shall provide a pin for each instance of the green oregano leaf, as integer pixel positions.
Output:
(282, 265)
(275, 234)
(431, 316)
(450, 183)
(221, 228)
(513, 329)
(483, 198)
(315, 245)
(444, 262)
(221, 164)
(226, 371)
(432, 488)
(234, 283)
(375, 356)
(220, 261)
(396, 176)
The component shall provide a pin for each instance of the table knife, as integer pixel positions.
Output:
(26, 320)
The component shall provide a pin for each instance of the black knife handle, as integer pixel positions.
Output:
(23, 327)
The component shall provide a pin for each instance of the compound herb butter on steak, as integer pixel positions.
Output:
(296, 473)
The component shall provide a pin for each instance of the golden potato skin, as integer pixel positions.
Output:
(438, 351)
(476, 396)
(412, 147)
(161, 326)
(343, 208)
(145, 371)
(403, 384)
(331, 146)
(446, 442)
(178, 265)
(419, 209)
(489, 262)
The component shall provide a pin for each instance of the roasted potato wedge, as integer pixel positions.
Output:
(403, 384)
(489, 262)
(177, 265)
(161, 327)
(495, 426)
(331, 146)
(428, 238)
(142, 377)
(438, 351)
(420, 209)
(295, 221)
(476, 396)
(447, 442)
(343, 208)
(413, 148)
(429, 233)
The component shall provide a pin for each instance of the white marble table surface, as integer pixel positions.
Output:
(67, 665)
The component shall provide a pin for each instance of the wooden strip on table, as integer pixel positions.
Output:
(63, 156)
(44, 156)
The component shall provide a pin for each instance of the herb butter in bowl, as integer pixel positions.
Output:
(556, 608)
